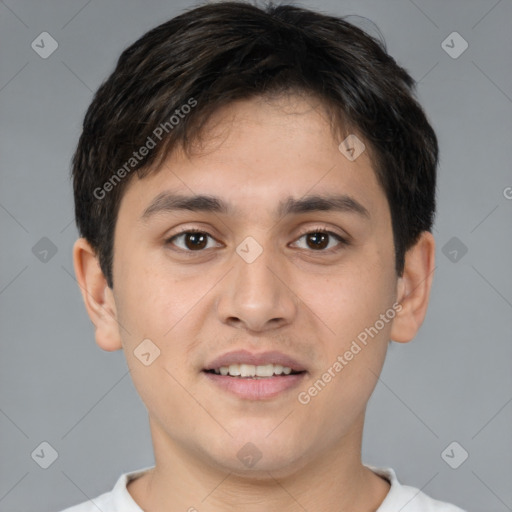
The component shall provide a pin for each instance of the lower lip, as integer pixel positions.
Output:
(256, 389)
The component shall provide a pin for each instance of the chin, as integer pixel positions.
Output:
(268, 467)
(254, 456)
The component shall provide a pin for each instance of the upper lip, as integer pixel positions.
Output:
(262, 358)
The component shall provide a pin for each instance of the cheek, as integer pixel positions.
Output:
(154, 307)
(150, 299)
(354, 347)
(353, 299)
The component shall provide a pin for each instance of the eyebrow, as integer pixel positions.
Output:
(167, 202)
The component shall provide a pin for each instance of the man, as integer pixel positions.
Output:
(255, 190)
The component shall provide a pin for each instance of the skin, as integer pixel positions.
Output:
(293, 298)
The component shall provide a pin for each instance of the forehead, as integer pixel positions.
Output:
(262, 154)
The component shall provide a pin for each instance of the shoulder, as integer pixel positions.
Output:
(116, 500)
(414, 500)
(409, 499)
(102, 502)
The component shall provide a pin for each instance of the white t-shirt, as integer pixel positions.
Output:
(400, 497)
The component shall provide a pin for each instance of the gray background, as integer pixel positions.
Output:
(452, 383)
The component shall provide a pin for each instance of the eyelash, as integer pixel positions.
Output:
(342, 241)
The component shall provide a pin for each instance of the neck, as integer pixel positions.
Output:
(184, 482)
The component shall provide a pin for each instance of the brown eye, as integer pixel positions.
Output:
(195, 240)
(191, 240)
(319, 240)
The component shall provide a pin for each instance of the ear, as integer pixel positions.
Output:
(98, 297)
(413, 289)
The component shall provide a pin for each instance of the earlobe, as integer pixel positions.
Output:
(98, 297)
(413, 288)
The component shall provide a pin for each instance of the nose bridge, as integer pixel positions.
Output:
(256, 294)
(253, 268)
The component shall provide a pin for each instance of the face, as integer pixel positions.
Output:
(256, 278)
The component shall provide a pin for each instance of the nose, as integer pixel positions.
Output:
(257, 295)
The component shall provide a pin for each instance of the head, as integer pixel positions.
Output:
(274, 116)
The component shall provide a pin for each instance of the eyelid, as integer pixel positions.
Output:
(324, 229)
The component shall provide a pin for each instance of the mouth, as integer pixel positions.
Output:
(255, 376)
(251, 371)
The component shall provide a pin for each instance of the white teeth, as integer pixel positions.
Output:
(278, 369)
(247, 370)
(266, 370)
(250, 370)
(234, 369)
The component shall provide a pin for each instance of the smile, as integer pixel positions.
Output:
(253, 371)
(255, 376)
(251, 382)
